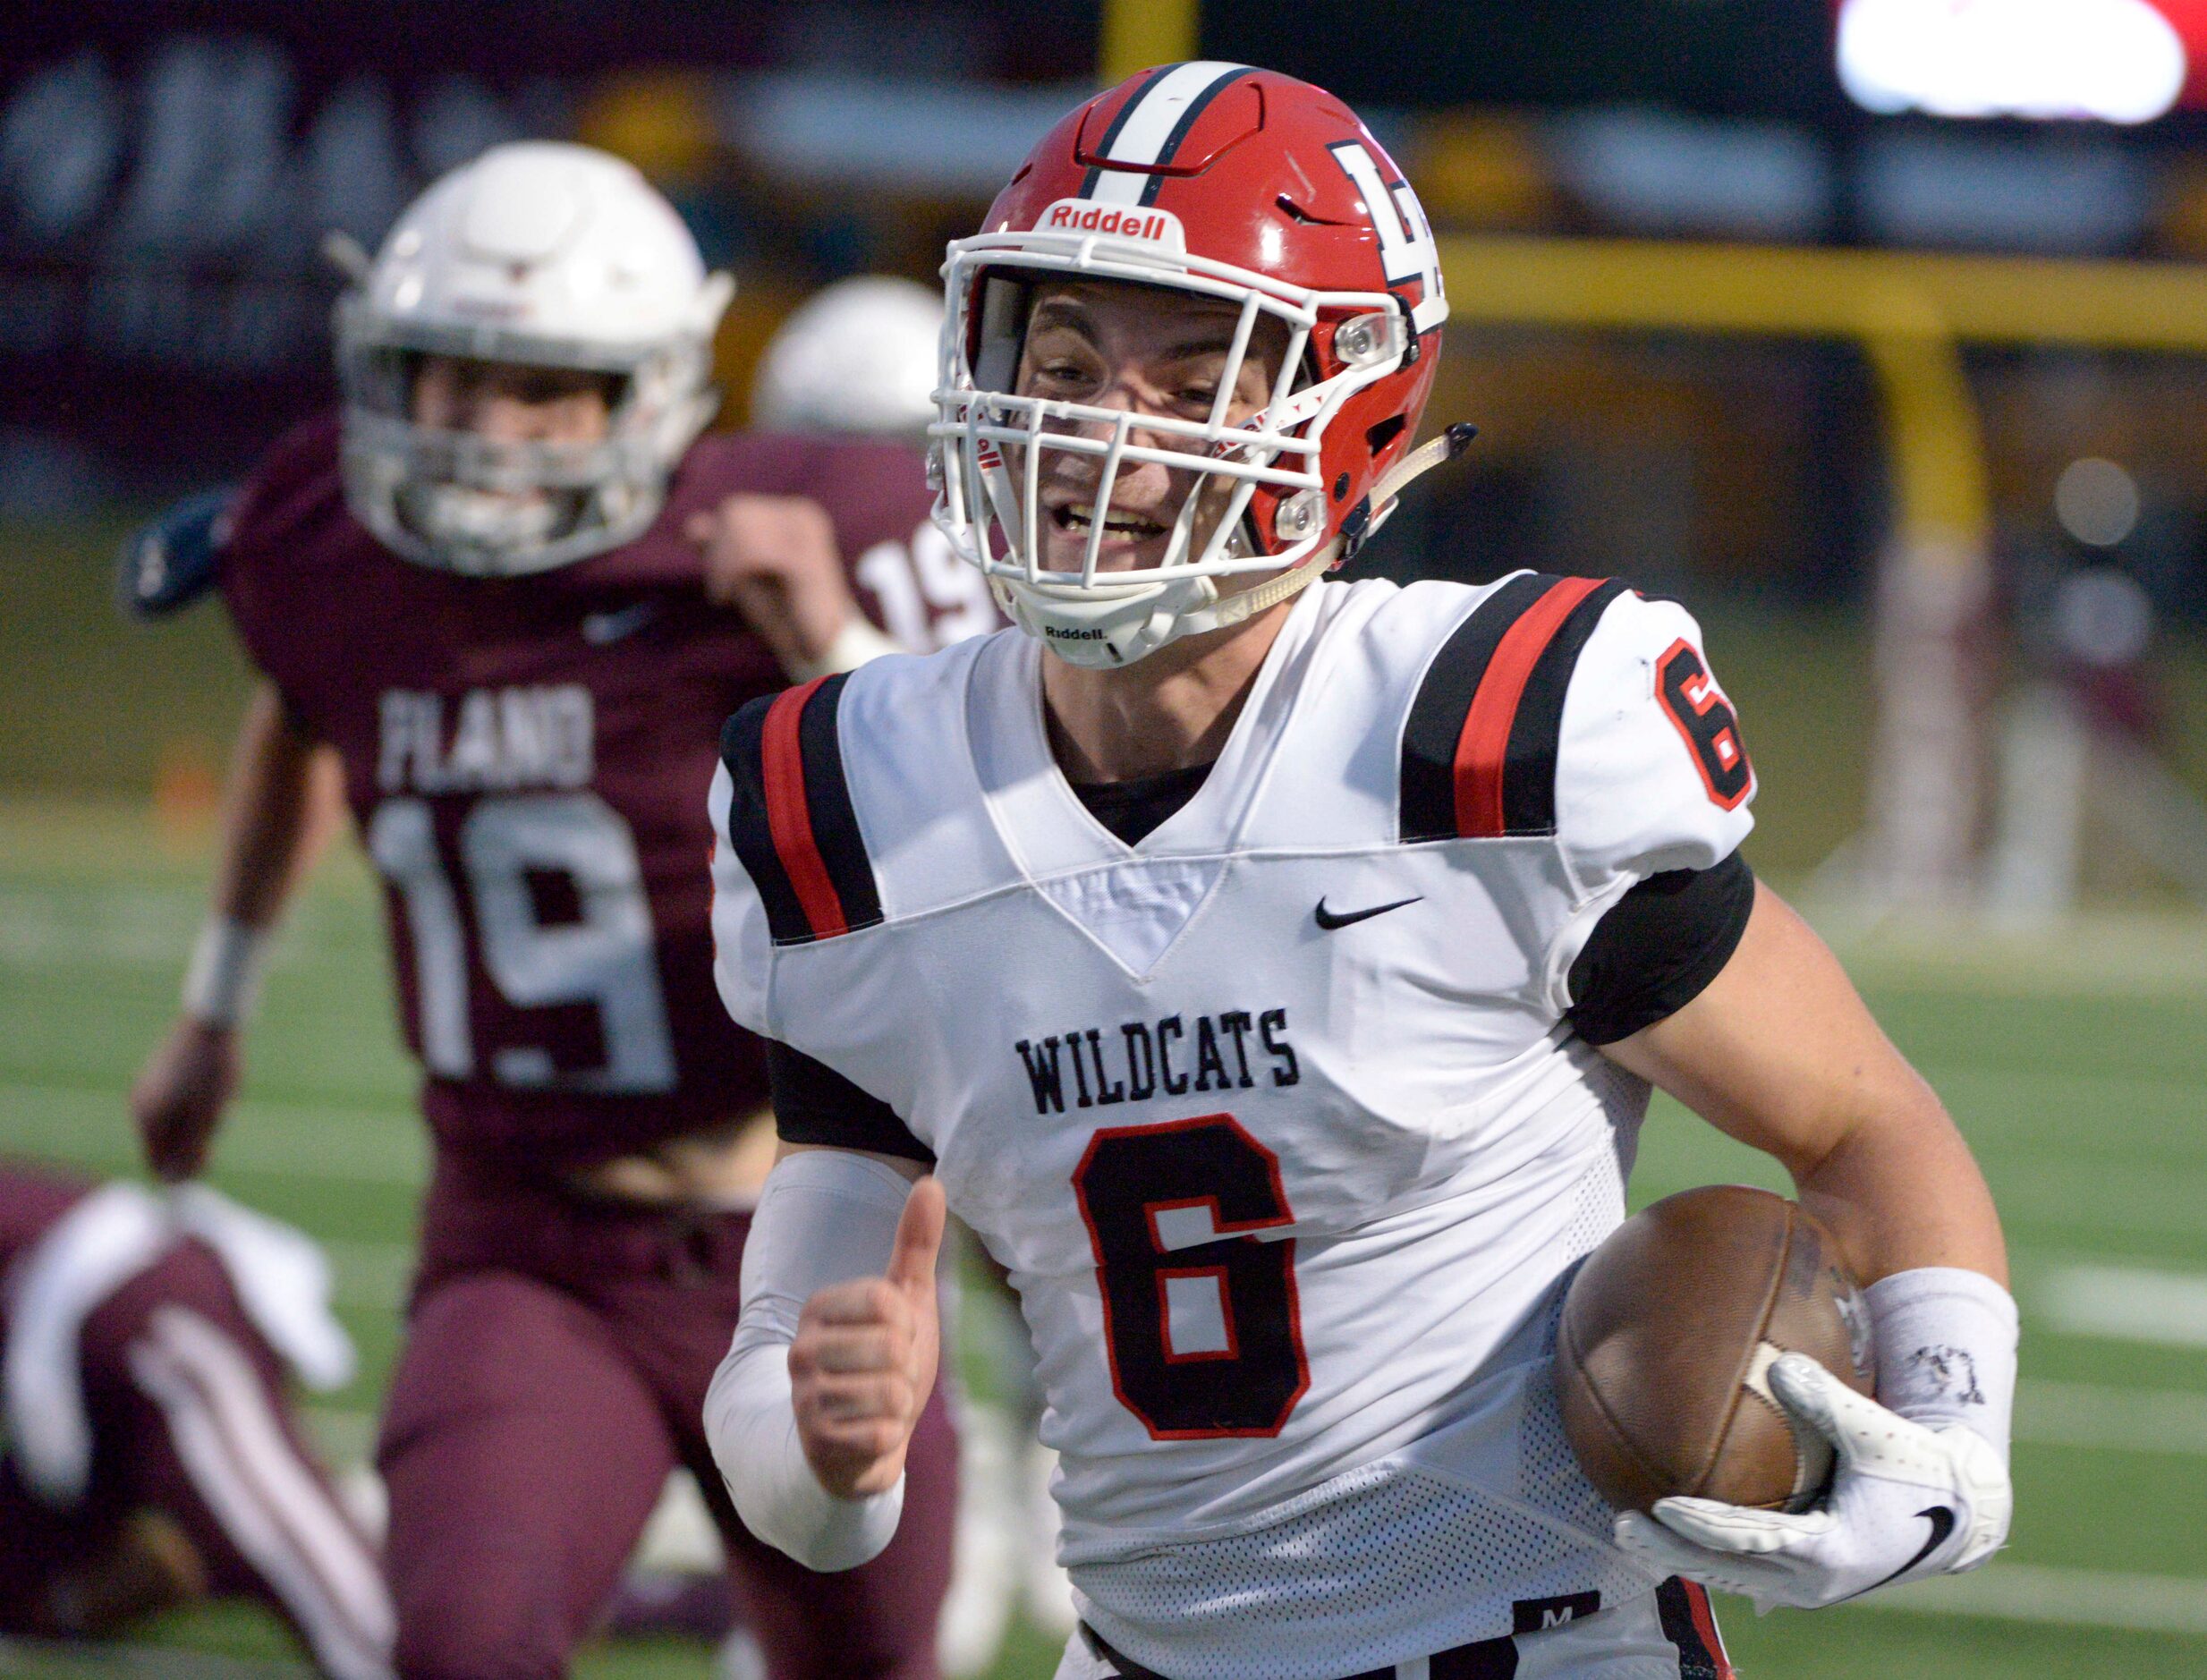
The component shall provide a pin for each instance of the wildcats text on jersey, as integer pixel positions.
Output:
(501, 739)
(1137, 1060)
(1224, 1169)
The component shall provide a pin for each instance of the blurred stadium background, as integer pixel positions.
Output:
(1875, 332)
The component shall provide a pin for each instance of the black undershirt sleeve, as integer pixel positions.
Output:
(1656, 948)
(814, 1103)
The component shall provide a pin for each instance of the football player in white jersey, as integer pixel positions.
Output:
(1273, 972)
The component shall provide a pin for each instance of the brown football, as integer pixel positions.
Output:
(1668, 1334)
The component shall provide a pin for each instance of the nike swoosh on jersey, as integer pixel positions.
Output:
(601, 628)
(1941, 1519)
(1329, 920)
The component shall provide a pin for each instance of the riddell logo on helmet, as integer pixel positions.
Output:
(1084, 215)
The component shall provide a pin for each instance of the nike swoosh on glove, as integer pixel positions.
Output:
(1907, 1501)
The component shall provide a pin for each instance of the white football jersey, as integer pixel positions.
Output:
(1274, 1118)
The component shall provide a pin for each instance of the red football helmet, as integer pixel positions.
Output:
(1227, 182)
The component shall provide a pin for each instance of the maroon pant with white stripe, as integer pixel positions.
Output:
(189, 1416)
(556, 1359)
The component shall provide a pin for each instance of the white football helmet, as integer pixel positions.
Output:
(544, 255)
(857, 356)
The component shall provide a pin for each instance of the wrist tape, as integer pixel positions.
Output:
(1946, 1341)
(222, 980)
(856, 643)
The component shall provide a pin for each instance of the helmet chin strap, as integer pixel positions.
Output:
(1154, 618)
(1423, 459)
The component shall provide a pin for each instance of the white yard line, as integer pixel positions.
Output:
(2166, 1420)
(2123, 1303)
(136, 928)
(336, 1143)
(2106, 954)
(2069, 1598)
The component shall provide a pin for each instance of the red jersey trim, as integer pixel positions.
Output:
(1482, 749)
(789, 812)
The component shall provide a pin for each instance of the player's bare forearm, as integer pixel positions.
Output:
(1780, 1052)
(774, 559)
(274, 815)
(273, 822)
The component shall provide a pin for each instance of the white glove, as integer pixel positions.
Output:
(1907, 1501)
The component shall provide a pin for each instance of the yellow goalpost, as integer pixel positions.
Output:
(1911, 313)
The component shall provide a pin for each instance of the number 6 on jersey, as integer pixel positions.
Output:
(1205, 1337)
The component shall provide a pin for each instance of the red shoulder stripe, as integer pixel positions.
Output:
(1482, 749)
(1705, 1625)
(789, 813)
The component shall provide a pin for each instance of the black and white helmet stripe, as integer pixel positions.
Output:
(1150, 127)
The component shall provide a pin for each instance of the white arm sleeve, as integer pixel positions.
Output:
(825, 1217)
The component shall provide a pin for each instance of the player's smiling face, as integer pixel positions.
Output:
(525, 415)
(1150, 350)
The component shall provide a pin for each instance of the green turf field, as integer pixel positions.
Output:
(2077, 1065)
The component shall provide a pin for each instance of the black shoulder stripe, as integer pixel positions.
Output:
(827, 797)
(814, 1103)
(1690, 1626)
(742, 751)
(1529, 773)
(1444, 700)
(790, 817)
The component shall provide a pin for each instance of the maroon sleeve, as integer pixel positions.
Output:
(31, 1199)
(292, 490)
(876, 494)
(718, 465)
(290, 510)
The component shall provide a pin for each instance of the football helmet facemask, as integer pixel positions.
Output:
(542, 255)
(1217, 182)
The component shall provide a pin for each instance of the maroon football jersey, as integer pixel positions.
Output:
(527, 758)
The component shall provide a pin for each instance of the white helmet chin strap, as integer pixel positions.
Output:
(1086, 627)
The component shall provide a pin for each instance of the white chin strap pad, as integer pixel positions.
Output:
(1118, 630)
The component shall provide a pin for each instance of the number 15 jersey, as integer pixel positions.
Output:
(1274, 1118)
